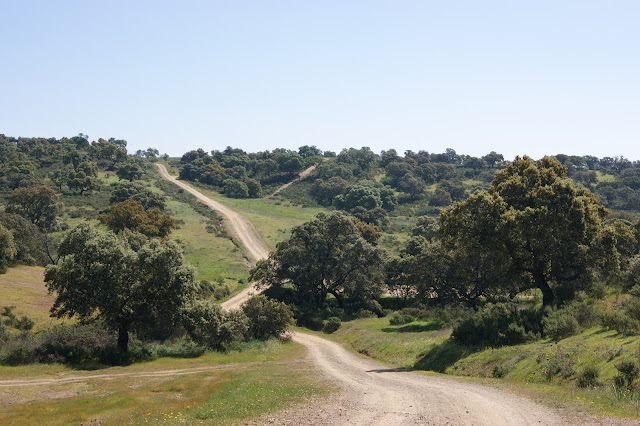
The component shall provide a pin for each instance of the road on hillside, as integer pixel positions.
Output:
(373, 393)
(237, 226)
(303, 174)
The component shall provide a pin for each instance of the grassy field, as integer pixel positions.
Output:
(544, 371)
(400, 346)
(219, 389)
(214, 258)
(23, 287)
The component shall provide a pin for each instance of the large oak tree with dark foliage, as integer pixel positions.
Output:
(533, 223)
(100, 277)
(326, 255)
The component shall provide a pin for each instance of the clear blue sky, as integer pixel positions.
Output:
(534, 77)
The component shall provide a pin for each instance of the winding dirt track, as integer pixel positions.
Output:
(239, 227)
(373, 393)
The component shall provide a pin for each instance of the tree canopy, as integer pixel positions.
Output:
(37, 203)
(99, 276)
(7, 247)
(326, 255)
(131, 215)
(27, 238)
(532, 221)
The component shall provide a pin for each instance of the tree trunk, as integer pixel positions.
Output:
(547, 294)
(339, 298)
(123, 337)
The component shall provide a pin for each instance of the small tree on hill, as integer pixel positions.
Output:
(234, 188)
(129, 171)
(37, 203)
(7, 248)
(131, 215)
(267, 317)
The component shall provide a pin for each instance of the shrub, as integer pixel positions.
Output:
(400, 318)
(634, 271)
(233, 329)
(499, 371)
(18, 352)
(632, 308)
(558, 363)
(496, 325)
(559, 324)
(332, 325)
(267, 317)
(365, 313)
(208, 326)
(450, 315)
(635, 290)
(221, 292)
(588, 377)
(597, 290)
(7, 311)
(620, 322)
(629, 371)
(24, 323)
(311, 322)
(76, 344)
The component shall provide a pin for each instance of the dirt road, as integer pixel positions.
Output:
(237, 226)
(303, 174)
(375, 394)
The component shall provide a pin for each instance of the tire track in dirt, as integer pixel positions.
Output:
(76, 379)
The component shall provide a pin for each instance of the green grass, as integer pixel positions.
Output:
(262, 379)
(401, 346)
(603, 177)
(212, 256)
(472, 182)
(595, 346)
(25, 290)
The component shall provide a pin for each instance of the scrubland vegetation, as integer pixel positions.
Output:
(523, 272)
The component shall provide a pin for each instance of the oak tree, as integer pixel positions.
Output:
(532, 221)
(131, 215)
(37, 203)
(326, 255)
(100, 277)
(7, 248)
